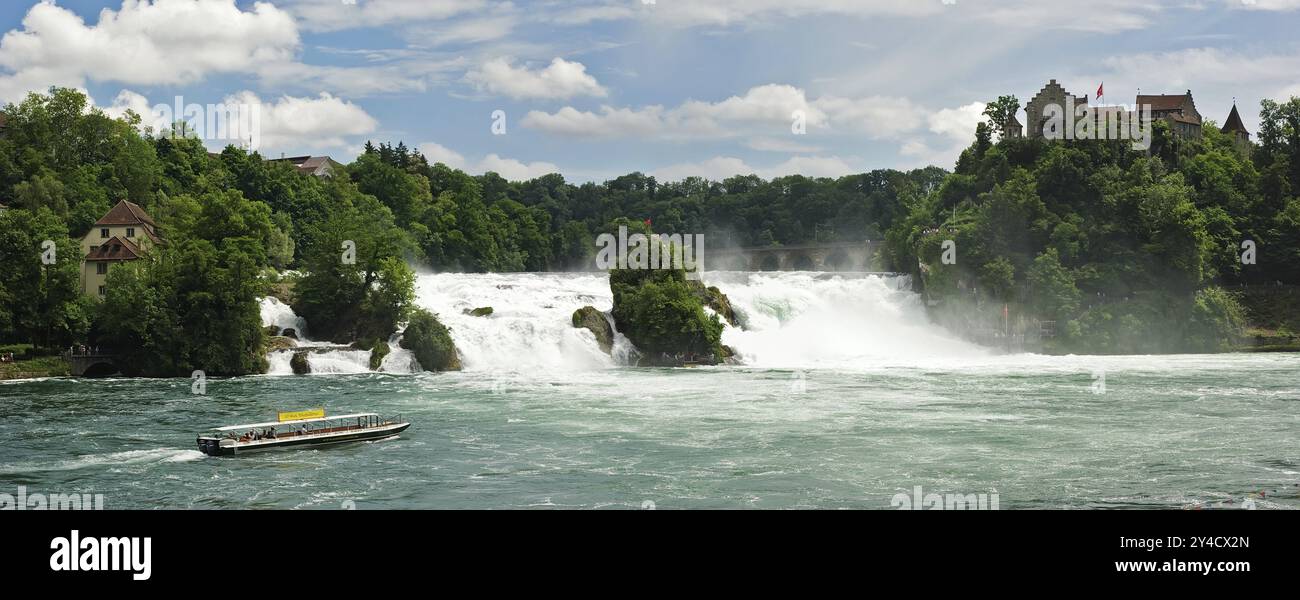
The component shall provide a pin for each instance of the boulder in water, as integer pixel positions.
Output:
(299, 363)
(594, 321)
(377, 355)
(431, 342)
(484, 311)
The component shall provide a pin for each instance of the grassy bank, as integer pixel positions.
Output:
(44, 366)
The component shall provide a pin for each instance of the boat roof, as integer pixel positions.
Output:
(296, 421)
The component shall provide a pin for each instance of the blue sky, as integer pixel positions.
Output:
(598, 88)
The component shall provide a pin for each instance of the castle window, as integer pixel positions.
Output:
(101, 268)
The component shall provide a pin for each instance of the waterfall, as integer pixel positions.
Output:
(530, 327)
(804, 320)
(790, 320)
(324, 357)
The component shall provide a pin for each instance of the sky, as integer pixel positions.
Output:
(594, 89)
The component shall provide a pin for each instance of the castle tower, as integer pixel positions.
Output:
(1037, 114)
(1235, 128)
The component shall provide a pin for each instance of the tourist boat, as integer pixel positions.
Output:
(302, 428)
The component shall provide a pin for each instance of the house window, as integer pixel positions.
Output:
(101, 290)
(101, 268)
(103, 232)
(130, 232)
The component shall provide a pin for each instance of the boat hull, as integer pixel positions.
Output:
(213, 446)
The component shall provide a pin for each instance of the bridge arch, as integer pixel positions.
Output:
(802, 262)
(839, 260)
(735, 263)
(100, 369)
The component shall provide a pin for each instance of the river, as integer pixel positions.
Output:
(847, 398)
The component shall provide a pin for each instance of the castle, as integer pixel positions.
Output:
(1043, 114)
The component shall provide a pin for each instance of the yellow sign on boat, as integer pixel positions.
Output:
(298, 415)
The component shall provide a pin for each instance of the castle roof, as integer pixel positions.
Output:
(126, 213)
(1234, 123)
(115, 249)
(1165, 101)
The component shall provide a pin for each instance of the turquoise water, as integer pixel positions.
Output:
(1169, 432)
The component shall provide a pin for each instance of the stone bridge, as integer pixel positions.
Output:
(92, 364)
(844, 256)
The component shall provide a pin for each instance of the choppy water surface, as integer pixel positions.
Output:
(848, 398)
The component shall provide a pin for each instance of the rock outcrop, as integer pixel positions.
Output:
(430, 341)
(594, 321)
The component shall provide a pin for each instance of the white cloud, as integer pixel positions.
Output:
(560, 80)
(515, 170)
(437, 153)
(128, 100)
(958, 123)
(509, 168)
(1094, 16)
(879, 117)
(324, 121)
(333, 15)
(143, 43)
(468, 31)
(761, 112)
(722, 167)
(769, 144)
(768, 106)
(178, 42)
(1281, 5)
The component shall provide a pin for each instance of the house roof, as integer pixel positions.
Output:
(1234, 122)
(306, 164)
(114, 249)
(126, 213)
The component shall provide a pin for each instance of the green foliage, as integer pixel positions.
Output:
(430, 341)
(40, 303)
(663, 316)
(189, 306)
(370, 295)
(1055, 295)
(1000, 112)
